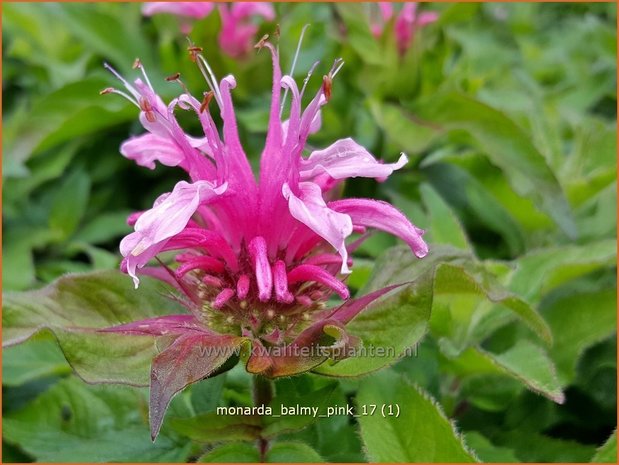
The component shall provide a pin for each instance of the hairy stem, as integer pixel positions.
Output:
(262, 394)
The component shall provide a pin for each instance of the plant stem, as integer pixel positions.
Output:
(262, 394)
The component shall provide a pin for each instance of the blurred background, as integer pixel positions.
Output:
(506, 111)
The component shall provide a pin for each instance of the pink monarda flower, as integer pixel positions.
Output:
(406, 24)
(253, 260)
(237, 31)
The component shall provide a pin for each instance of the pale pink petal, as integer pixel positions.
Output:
(427, 17)
(189, 9)
(310, 209)
(383, 216)
(146, 149)
(247, 9)
(166, 219)
(346, 159)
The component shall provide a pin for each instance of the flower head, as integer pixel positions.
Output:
(406, 23)
(256, 258)
(237, 31)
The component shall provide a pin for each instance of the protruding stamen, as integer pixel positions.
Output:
(174, 77)
(208, 96)
(107, 90)
(337, 65)
(292, 67)
(194, 52)
(327, 86)
(137, 64)
(309, 75)
(223, 297)
(147, 108)
(261, 43)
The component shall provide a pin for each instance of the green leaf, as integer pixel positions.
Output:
(535, 447)
(104, 227)
(543, 270)
(608, 452)
(444, 226)
(206, 394)
(358, 32)
(578, 321)
(388, 327)
(292, 452)
(74, 306)
(420, 433)
(401, 129)
(213, 427)
(73, 422)
(275, 426)
(473, 278)
(240, 452)
(487, 451)
(280, 452)
(64, 114)
(33, 360)
(507, 146)
(525, 361)
(69, 204)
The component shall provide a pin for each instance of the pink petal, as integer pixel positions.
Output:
(346, 159)
(281, 283)
(146, 149)
(242, 286)
(258, 252)
(383, 216)
(166, 219)
(246, 9)
(223, 297)
(188, 359)
(191, 9)
(310, 209)
(314, 273)
(427, 17)
(206, 263)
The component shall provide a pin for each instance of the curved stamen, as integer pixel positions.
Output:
(292, 67)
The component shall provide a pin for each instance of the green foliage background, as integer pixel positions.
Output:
(508, 115)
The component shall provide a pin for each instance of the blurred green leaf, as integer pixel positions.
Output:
(506, 145)
(73, 422)
(32, 360)
(69, 204)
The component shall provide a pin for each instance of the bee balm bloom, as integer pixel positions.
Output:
(237, 30)
(255, 258)
(406, 23)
